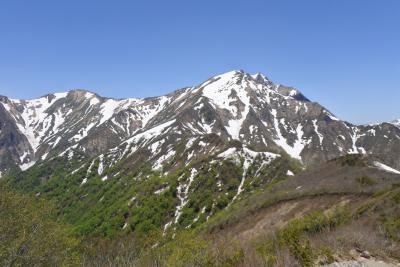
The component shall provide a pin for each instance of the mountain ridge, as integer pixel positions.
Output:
(172, 162)
(227, 96)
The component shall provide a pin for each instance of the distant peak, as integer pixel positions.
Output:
(396, 122)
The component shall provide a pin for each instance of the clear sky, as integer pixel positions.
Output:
(344, 54)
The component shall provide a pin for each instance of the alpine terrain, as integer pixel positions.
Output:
(236, 157)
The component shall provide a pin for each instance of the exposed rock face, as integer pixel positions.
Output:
(233, 106)
(13, 145)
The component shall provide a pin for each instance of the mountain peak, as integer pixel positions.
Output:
(396, 122)
(259, 77)
(231, 74)
(237, 76)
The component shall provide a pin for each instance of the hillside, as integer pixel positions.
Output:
(236, 157)
(342, 213)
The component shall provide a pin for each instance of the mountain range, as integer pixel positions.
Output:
(202, 147)
(233, 106)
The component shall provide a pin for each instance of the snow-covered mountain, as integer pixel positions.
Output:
(173, 161)
(396, 122)
(233, 106)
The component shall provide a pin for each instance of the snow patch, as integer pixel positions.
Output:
(182, 193)
(331, 116)
(320, 136)
(289, 173)
(386, 168)
(26, 166)
(44, 156)
(101, 165)
(355, 135)
(93, 100)
(152, 132)
(158, 164)
(293, 150)
(107, 110)
(161, 190)
(248, 156)
(155, 147)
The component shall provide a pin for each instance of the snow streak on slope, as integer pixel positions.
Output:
(320, 136)
(298, 145)
(182, 194)
(151, 133)
(108, 109)
(386, 168)
(355, 135)
(248, 156)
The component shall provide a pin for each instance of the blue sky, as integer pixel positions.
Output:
(344, 54)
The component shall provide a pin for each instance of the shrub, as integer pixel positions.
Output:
(29, 236)
(392, 228)
(327, 254)
(365, 181)
(350, 160)
(188, 249)
(267, 251)
(294, 236)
